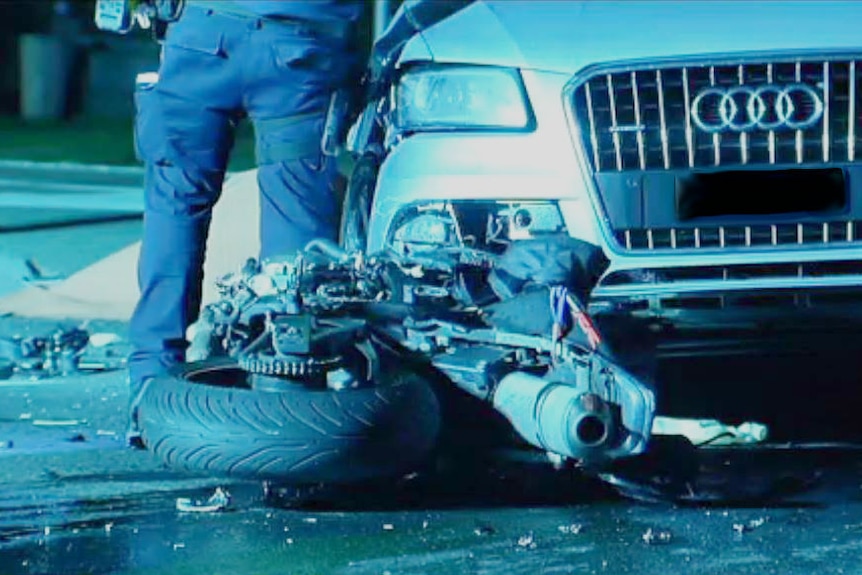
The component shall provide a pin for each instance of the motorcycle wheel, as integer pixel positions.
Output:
(205, 417)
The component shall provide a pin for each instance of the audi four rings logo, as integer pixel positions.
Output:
(746, 108)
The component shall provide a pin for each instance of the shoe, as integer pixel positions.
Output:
(134, 438)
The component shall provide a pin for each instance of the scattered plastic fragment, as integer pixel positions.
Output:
(573, 529)
(711, 432)
(527, 541)
(58, 422)
(388, 527)
(78, 438)
(482, 530)
(741, 528)
(109, 527)
(101, 339)
(179, 546)
(657, 536)
(218, 501)
(310, 520)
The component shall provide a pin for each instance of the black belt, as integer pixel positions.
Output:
(339, 31)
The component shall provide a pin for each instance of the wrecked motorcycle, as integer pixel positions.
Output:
(337, 367)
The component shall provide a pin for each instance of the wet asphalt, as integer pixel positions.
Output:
(74, 500)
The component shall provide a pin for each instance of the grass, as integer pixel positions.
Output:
(90, 141)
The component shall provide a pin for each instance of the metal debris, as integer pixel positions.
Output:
(58, 422)
(527, 541)
(657, 536)
(573, 529)
(482, 530)
(218, 501)
(740, 528)
(65, 351)
(388, 527)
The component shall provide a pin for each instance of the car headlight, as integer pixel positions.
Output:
(461, 97)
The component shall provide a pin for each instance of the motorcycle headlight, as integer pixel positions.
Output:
(461, 98)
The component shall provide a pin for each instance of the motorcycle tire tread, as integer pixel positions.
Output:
(301, 435)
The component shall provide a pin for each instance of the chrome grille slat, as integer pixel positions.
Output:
(771, 132)
(716, 138)
(615, 129)
(662, 120)
(689, 133)
(826, 84)
(799, 140)
(640, 133)
(594, 137)
(743, 137)
(851, 114)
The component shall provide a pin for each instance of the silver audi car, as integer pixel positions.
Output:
(710, 151)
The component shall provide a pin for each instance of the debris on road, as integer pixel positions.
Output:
(64, 351)
(482, 530)
(527, 541)
(218, 501)
(657, 536)
(573, 529)
(741, 528)
(58, 422)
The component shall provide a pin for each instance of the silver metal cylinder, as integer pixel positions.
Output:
(556, 417)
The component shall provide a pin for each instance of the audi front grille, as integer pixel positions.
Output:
(794, 113)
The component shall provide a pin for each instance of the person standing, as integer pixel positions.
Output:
(276, 62)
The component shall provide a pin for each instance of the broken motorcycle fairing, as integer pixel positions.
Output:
(509, 330)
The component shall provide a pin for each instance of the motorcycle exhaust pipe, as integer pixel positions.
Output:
(556, 417)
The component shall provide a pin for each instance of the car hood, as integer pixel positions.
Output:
(568, 36)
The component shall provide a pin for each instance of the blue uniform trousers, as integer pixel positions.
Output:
(217, 69)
